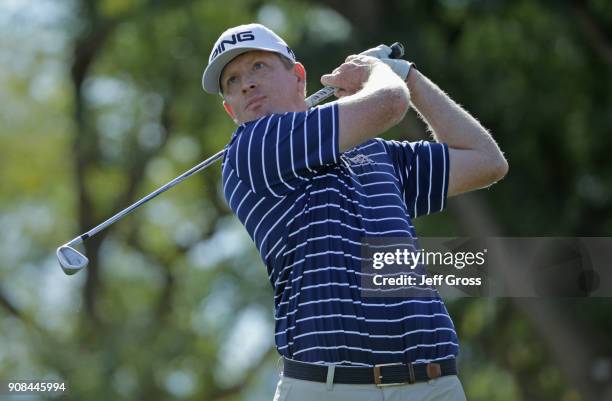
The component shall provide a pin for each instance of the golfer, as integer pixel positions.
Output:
(309, 184)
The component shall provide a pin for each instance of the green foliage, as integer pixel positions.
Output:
(175, 287)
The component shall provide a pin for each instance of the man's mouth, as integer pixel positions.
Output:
(255, 102)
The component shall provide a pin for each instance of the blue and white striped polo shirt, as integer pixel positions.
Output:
(307, 207)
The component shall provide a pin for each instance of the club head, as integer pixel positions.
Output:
(71, 260)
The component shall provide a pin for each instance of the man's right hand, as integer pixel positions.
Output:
(373, 99)
(350, 77)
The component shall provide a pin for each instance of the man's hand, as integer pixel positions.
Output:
(350, 77)
(373, 99)
(382, 52)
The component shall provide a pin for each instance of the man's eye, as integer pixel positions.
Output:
(231, 80)
(258, 66)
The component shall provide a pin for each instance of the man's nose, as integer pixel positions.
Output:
(248, 84)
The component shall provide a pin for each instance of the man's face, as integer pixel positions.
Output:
(257, 83)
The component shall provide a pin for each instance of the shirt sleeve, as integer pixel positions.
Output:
(423, 169)
(277, 153)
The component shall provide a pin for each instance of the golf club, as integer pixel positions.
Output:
(72, 261)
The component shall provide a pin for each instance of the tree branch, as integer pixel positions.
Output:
(86, 50)
(13, 310)
(571, 350)
(222, 394)
(592, 32)
(10, 308)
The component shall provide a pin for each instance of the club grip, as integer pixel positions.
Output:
(397, 50)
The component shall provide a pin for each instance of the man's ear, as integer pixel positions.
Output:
(229, 110)
(300, 71)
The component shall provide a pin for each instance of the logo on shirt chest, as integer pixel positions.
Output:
(356, 160)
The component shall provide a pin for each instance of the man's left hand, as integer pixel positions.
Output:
(382, 52)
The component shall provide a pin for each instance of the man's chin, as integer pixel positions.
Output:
(255, 115)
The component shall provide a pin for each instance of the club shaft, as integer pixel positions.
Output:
(312, 100)
(152, 195)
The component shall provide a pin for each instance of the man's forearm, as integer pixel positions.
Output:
(381, 103)
(448, 121)
(475, 159)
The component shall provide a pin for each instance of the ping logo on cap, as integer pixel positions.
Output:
(238, 40)
(290, 52)
(243, 36)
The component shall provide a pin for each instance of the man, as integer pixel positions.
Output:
(310, 184)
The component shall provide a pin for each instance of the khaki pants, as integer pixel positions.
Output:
(445, 388)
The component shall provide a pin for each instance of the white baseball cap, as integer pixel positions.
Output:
(236, 41)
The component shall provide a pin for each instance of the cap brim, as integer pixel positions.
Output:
(212, 73)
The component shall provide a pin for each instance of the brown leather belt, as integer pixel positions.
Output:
(381, 375)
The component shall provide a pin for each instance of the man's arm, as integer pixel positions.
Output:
(475, 159)
(373, 99)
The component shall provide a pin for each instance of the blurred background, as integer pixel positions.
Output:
(101, 103)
